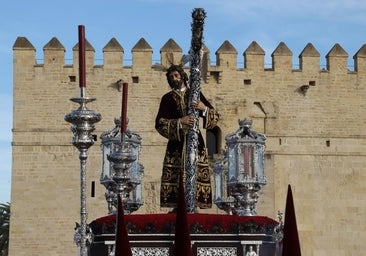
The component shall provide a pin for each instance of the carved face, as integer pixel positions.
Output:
(175, 80)
(176, 77)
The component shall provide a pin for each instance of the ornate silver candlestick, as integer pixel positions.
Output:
(121, 170)
(240, 174)
(82, 121)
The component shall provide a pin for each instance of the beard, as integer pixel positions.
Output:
(176, 84)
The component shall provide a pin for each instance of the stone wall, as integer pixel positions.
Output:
(313, 118)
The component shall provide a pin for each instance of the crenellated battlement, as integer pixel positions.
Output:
(171, 52)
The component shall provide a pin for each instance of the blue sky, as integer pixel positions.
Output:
(268, 22)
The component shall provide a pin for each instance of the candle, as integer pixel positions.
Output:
(124, 108)
(82, 77)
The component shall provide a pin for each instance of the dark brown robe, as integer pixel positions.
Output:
(174, 105)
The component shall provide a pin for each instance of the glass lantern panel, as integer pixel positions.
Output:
(232, 163)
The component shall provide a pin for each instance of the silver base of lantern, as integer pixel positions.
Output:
(242, 200)
(246, 198)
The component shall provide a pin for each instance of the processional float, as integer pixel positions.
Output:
(238, 176)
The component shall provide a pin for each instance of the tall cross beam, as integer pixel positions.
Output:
(198, 17)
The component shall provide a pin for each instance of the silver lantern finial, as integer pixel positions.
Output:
(240, 174)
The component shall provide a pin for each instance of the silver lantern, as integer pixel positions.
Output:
(122, 172)
(239, 175)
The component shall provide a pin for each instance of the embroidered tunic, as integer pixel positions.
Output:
(174, 105)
